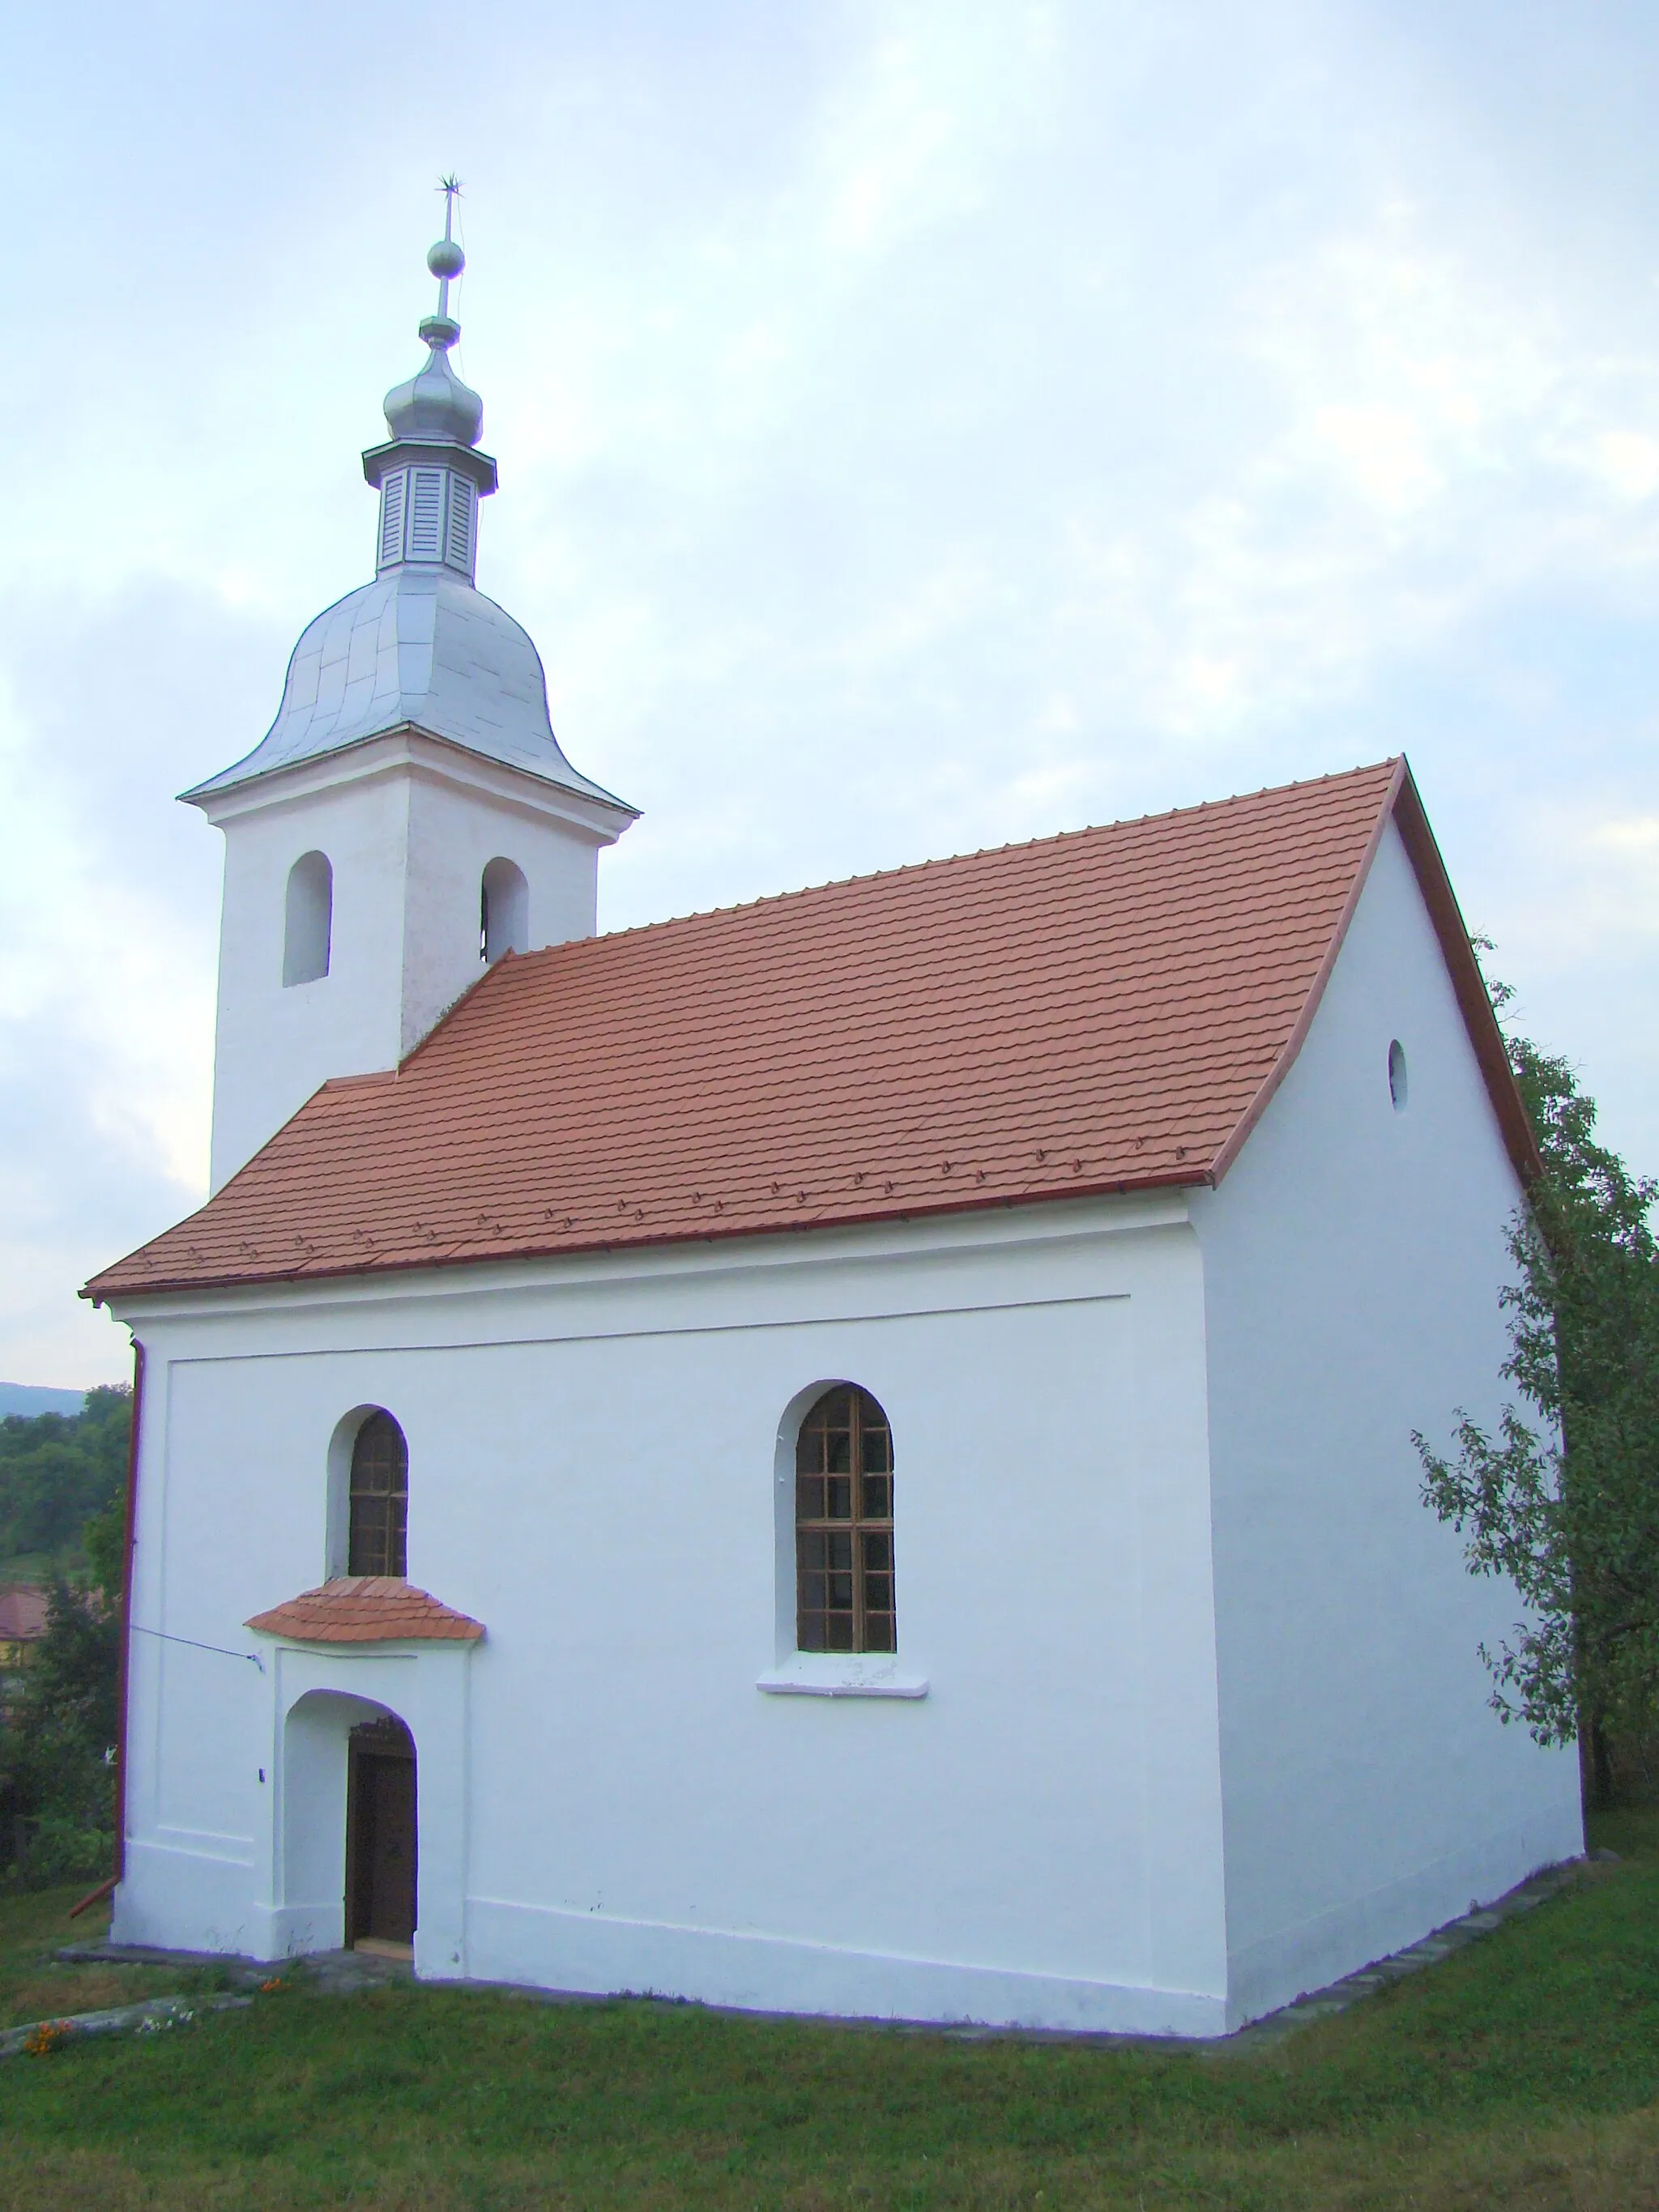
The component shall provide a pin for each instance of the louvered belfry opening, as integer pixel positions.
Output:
(428, 514)
(379, 1499)
(457, 545)
(844, 1593)
(392, 518)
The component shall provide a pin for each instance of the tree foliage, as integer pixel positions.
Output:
(59, 1732)
(1564, 1499)
(56, 1469)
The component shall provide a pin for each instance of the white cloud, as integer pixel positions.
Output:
(1627, 462)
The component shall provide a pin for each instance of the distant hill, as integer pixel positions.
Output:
(32, 1398)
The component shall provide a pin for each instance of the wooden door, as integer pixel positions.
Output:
(381, 1870)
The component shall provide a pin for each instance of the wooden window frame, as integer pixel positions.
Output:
(851, 1507)
(378, 1494)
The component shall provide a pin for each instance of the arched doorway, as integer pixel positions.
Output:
(326, 1697)
(381, 1868)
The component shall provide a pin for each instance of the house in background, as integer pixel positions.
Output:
(848, 1455)
(23, 1610)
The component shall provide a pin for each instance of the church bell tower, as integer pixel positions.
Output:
(408, 817)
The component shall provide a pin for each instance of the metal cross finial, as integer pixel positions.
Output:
(447, 260)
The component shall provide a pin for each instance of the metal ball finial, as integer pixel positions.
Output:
(446, 260)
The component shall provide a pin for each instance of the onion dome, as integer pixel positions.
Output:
(435, 407)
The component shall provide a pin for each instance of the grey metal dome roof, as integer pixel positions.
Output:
(418, 647)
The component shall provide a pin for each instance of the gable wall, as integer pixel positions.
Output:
(594, 1470)
(1352, 1261)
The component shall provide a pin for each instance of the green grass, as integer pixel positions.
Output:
(34, 1927)
(1523, 2073)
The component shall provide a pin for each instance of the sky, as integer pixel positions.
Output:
(923, 424)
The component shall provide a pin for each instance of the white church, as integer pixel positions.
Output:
(848, 1456)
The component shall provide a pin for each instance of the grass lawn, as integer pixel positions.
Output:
(39, 1566)
(1522, 2073)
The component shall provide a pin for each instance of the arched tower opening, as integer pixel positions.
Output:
(503, 911)
(308, 920)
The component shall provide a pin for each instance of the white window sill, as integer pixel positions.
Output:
(841, 1675)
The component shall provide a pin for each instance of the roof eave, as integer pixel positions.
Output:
(230, 784)
(1473, 1000)
(105, 1290)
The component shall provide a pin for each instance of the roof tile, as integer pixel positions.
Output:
(1106, 1010)
(24, 1608)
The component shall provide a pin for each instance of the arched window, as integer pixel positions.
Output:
(379, 1499)
(844, 1526)
(503, 911)
(309, 919)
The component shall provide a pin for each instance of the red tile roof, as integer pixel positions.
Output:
(366, 1609)
(1108, 1010)
(23, 1607)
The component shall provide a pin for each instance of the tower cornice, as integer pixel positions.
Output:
(407, 453)
(409, 748)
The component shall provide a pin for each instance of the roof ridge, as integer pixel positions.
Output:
(580, 948)
(941, 861)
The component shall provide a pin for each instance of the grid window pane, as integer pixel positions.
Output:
(379, 1499)
(844, 1588)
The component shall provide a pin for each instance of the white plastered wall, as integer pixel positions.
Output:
(594, 1461)
(1352, 1260)
(409, 826)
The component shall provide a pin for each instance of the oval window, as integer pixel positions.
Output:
(1397, 1080)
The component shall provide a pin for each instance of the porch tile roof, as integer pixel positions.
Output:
(366, 1609)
